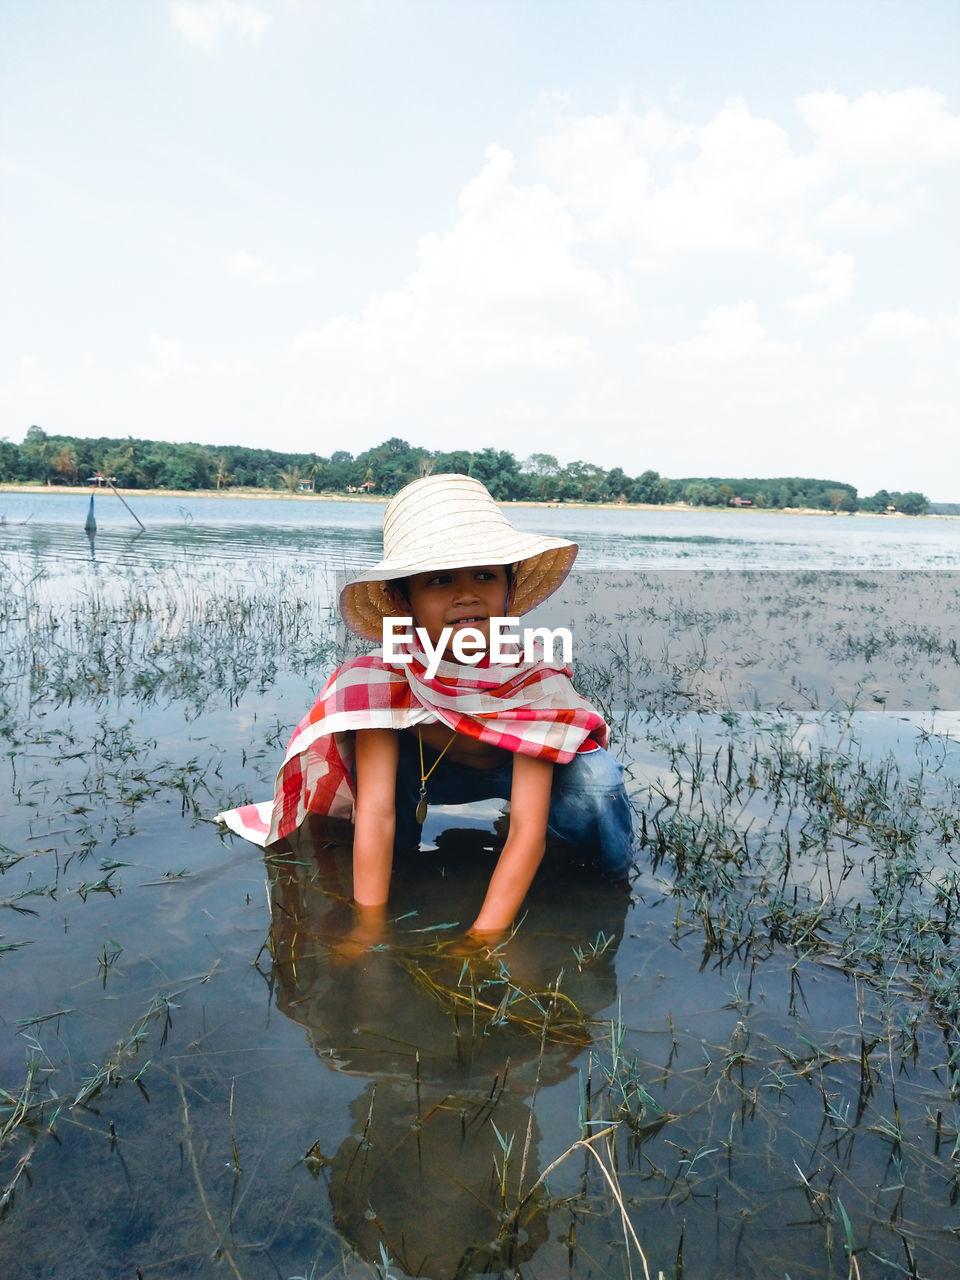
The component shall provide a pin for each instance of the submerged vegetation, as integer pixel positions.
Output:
(751, 1067)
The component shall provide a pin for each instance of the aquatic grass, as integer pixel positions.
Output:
(844, 859)
(608, 1172)
(783, 855)
(45, 1097)
(15, 1108)
(21, 1114)
(834, 820)
(169, 637)
(613, 1090)
(222, 1250)
(128, 1048)
(593, 950)
(9, 858)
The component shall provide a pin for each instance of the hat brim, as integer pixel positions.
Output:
(542, 565)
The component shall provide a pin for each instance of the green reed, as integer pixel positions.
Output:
(780, 850)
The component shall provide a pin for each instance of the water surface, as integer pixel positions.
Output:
(346, 535)
(207, 1074)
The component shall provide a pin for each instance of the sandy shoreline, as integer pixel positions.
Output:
(285, 496)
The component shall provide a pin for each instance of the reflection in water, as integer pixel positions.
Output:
(441, 1168)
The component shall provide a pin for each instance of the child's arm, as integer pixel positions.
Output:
(523, 851)
(377, 751)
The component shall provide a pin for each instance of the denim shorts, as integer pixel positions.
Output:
(589, 809)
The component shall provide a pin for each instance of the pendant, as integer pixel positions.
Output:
(421, 810)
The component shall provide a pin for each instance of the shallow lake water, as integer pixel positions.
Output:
(746, 1066)
(346, 535)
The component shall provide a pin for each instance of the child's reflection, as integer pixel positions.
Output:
(444, 1147)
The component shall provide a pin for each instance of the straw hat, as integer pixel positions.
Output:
(451, 522)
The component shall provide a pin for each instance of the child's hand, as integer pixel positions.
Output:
(476, 944)
(369, 931)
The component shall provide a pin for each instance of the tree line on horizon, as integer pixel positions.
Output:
(156, 464)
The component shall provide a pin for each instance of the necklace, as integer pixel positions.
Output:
(422, 802)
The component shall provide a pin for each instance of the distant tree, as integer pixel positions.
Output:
(65, 463)
(176, 473)
(725, 494)
(617, 483)
(541, 464)
(650, 487)
(200, 465)
(541, 473)
(584, 480)
(223, 475)
(9, 459)
(911, 504)
(35, 455)
(153, 467)
(700, 494)
(118, 463)
(340, 472)
(499, 471)
(593, 483)
(878, 501)
(394, 464)
(456, 462)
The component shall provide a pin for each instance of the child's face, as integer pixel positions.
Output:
(458, 598)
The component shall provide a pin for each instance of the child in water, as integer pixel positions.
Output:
(393, 731)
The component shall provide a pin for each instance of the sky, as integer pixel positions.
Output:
(707, 237)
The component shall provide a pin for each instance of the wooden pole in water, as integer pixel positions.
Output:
(123, 500)
(90, 524)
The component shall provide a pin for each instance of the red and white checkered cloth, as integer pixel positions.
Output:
(530, 707)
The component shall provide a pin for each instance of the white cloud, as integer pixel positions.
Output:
(203, 22)
(167, 354)
(889, 130)
(247, 266)
(600, 164)
(524, 315)
(522, 325)
(511, 244)
(903, 323)
(728, 335)
(504, 288)
(656, 189)
(852, 212)
(171, 373)
(515, 283)
(551, 99)
(670, 186)
(834, 283)
(394, 331)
